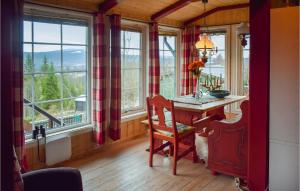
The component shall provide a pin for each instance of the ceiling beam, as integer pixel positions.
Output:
(223, 8)
(107, 5)
(170, 9)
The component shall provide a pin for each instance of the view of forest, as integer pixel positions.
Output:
(47, 87)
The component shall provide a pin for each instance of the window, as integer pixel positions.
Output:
(131, 71)
(216, 64)
(167, 57)
(56, 65)
(246, 55)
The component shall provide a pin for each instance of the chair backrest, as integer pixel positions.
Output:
(245, 112)
(160, 105)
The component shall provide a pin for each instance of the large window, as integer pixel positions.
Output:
(56, 85)
(246, 61)
(216, 64)
(167, 56)
(131, 71)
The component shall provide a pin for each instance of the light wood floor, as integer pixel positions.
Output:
(125, 167)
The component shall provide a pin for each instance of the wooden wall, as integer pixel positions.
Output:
(226, 17)
(83, 144)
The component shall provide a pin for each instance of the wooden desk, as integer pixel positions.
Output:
(199, 115)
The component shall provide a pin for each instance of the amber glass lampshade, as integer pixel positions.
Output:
(204, 42)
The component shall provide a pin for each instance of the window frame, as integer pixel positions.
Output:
(42, 11)
(226, 30)
(143, 29)
(179, 49)
(175, 60)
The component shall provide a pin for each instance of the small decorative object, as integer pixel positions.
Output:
(212, 82)
(243, 30)
(196, 68)
(219, 93)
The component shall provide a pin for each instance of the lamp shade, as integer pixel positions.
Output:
(204, 42)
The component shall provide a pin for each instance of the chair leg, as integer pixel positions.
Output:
(175, 158)
(151, 152)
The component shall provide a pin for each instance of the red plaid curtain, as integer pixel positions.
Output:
(99, 69)
(12, 131)
(115, 104)
(190, 35)
(154, 69)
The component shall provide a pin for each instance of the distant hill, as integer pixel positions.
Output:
(73, 59)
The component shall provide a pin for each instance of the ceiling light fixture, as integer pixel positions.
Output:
(205, 44)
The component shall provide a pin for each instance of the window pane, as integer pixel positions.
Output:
(167, 66)
(130, 78)
(47, 58)
(28, 87)
(130, 58)
(74, 84)
(246, 72)
(27, 58)
(55, 73)
(74, 111)
(216, 64)
(28, 117)
(132, 39)
(161, 42)
(219, 40)
(47, 87)
(248, 42)
(131, 71)
(130, 99)
(167, 42)
(46, 32)
(217, 60)
(27, 31)
(52, 108)
(74, 58)
(74, 34)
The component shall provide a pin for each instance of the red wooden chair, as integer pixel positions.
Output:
(178, 137)
(228, 146)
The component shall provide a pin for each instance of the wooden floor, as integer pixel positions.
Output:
(125, 167)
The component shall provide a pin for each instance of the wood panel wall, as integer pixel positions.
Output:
(83, 144)
(226, 17)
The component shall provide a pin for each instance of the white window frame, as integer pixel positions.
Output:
(237, 66)
(226, 30)
(143, 27)
(177, 33)
(38, 10)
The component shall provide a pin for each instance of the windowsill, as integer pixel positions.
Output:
(133, 116)
(68, 132)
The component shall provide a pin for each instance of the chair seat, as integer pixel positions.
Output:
(181, 128)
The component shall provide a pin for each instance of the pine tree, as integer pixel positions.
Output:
(49, 83)
(28, 64)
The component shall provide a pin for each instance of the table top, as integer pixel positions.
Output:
(188, 103)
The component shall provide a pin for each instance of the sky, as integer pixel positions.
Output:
(51, 33)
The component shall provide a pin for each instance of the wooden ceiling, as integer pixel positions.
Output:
(144, 9)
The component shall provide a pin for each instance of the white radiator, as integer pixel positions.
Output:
(58, 149)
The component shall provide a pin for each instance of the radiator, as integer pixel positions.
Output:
(58, 149)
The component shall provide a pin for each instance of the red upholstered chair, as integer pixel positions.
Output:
(177, 136)
(228, 146)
